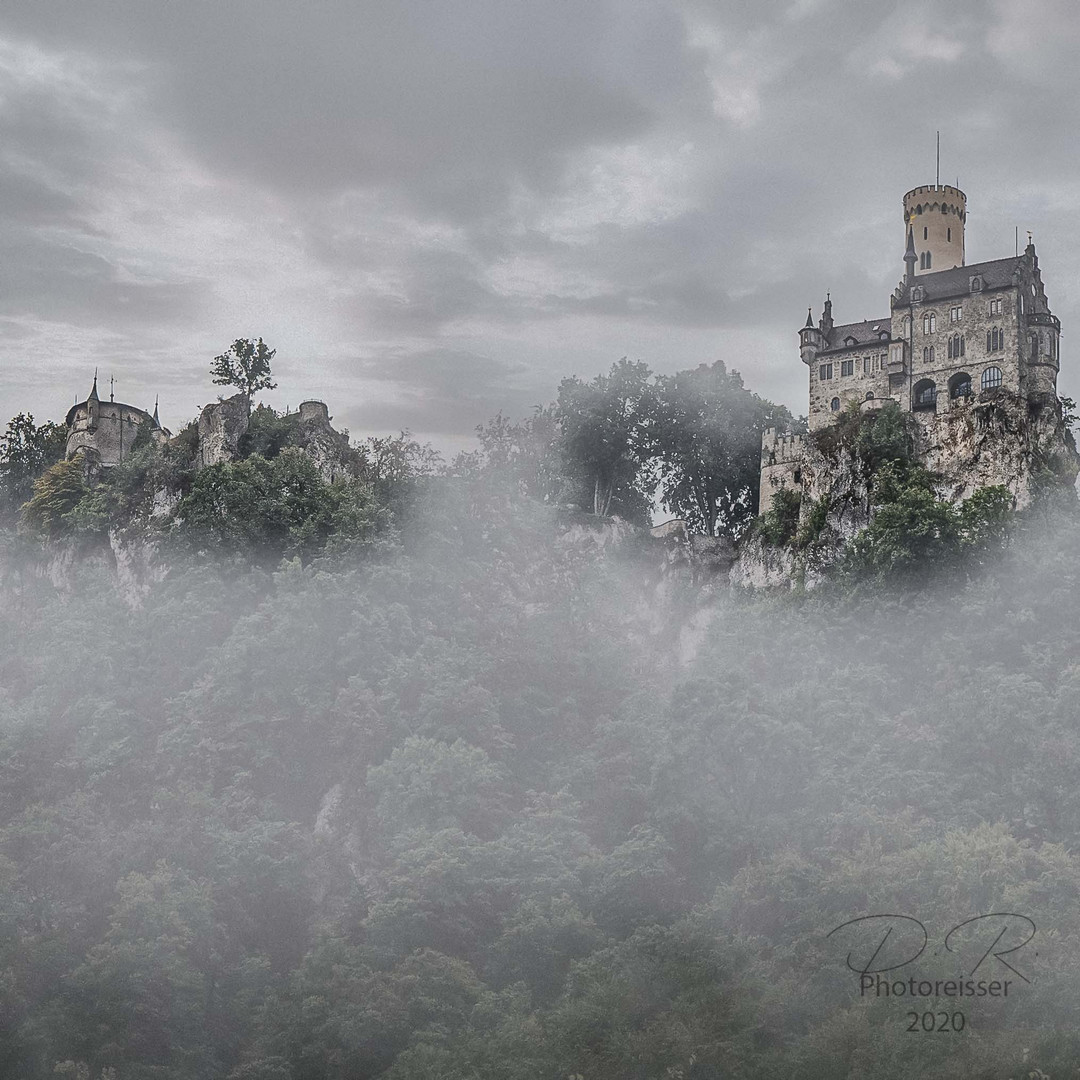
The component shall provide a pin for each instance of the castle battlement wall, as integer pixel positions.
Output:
(777, 449)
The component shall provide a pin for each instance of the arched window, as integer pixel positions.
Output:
(948, 235)
(924, 395)
(928, 260)
(960, 385)
(995, 339)
(869, 395)
(926, 354)
(925, 232)
(929, 323)
(991, 378)
(1034, 346)
(835, 404)
(956, 346)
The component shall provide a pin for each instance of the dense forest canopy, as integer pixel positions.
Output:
(396, 777)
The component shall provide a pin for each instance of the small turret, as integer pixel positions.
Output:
(910, 258)
(92, 403)
(811, 339)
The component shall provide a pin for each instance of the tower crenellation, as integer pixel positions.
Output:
(936, 215)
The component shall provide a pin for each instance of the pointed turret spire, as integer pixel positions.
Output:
(910, 257)
(93, 390)
(157, 422)
(809, 319)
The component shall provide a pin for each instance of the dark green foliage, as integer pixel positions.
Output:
(262, 509)
(457, 811)
(601, 439)
(184, 446)
(873, 437)
(702, 432)
(268, 433)
(813, 528)
(26, 450)
(56, 494)
(915, 534)
(779, 524)
(245, 365)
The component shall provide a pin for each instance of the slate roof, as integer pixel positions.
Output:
(865, 333)
(942, 284)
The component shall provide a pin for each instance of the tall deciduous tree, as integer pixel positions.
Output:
(26, 450)
(601, 436)
(245, 365)
(702, 430)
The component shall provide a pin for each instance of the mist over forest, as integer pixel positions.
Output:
(424, 775)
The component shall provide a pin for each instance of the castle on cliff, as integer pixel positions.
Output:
(104, 432)
(957, 338)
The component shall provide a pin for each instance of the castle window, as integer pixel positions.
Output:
(866, 365)
(955, 314)
(960, 385)
(825, 371)
(995, 340)
(925, 232)
(991, 378)
(929, 323)
(948, 235)
(924, 395)
(995, 306)
(847, 367)
(1034, 346)
(956, 346)
(849, 340)
(835, 404)
(869, 395)
(976, 284)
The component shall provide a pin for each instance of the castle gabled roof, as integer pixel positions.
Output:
(867, 332)
(944, 284)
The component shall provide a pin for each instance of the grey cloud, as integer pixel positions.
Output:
(430, 173)
(444, 391)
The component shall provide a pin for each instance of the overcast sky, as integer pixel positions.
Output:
(437, 209)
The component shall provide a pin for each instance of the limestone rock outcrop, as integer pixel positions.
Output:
(221, 426)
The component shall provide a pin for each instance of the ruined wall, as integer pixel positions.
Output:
(329, 449)
(781, 461)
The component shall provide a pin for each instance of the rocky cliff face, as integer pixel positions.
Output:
(997, 440)
(1003, 441)
(221, 426)
(329, 449)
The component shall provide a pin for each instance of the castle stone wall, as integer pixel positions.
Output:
(106, 429)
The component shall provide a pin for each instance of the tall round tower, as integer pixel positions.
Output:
(936, 214)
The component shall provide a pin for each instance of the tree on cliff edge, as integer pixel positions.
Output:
(245, 365)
